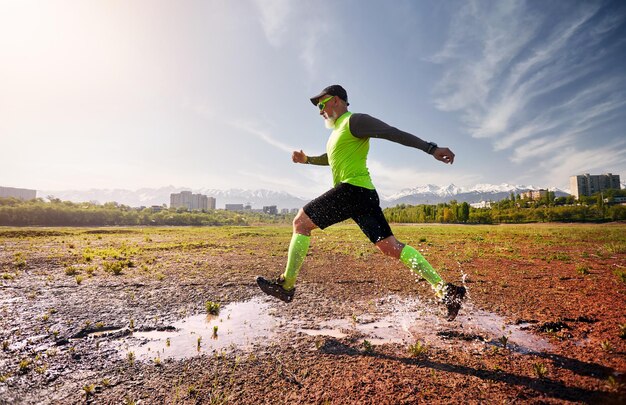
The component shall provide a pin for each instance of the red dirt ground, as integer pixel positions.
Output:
(561, 281)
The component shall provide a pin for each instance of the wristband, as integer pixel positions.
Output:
(431, 148)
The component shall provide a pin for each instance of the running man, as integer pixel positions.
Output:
(354, 196)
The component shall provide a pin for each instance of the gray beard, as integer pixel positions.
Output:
(330, 121)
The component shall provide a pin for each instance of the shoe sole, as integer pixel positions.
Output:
(455, 307)
(273, 290)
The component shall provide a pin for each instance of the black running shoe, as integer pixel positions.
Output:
(452, 300)
(275, 289)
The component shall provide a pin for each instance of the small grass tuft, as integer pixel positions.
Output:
(19, 261)
(212, 308)
(131, 358)
(114, 267)
(89, 389)
(367, 346)
(540, 370)
(606, 346)
(24, 365)
(621, 275)
(418, 349)
(504, 341)
(613, 385)
(622, 330)
(582, 269)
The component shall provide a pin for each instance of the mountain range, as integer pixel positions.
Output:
(428, 194)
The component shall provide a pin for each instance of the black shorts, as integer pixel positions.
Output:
(347, 201)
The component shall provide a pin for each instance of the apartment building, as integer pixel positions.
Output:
(186, 199)
(270, 209)
(587, 184)
(534, 194)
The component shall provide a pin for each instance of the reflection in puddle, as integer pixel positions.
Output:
(239, 324)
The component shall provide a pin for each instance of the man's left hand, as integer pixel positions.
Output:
(444, 155)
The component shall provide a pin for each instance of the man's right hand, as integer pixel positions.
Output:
(298, 157)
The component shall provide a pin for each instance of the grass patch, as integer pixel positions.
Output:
(418, 349)
(621, 275)
(212, 308)
(582, 269)
(540, 369)
(615, 248)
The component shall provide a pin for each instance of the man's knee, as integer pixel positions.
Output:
(302, 224)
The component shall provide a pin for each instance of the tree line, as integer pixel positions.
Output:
(37, 212)
(597, 208)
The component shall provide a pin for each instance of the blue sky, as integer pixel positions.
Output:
(214, 94)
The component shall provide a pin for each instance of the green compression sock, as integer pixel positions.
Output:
(297, 252)
(416, 262)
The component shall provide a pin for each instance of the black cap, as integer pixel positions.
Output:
(334, 90)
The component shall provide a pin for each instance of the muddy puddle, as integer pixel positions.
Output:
(241, 325)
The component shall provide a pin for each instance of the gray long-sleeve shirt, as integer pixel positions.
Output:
(366, 126)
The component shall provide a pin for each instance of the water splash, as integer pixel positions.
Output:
(408, 320)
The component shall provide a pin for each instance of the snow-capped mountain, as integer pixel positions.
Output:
(427, 194)
(432, 194)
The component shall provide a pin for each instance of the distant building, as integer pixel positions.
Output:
(482, 204)
(186, 199)
(211, 202)
(234, 207)
(270, 209)
(586, 184)
(21, 193)
(616, 200)
(534, 194)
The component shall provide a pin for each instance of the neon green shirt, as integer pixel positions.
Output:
(347, 155)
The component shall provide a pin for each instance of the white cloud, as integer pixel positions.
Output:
(274, 19)
(315, 33)
(569, 162)
(541, 147)
(262, 135)
(535, 84)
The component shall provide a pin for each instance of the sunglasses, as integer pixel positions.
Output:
(322, 104)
